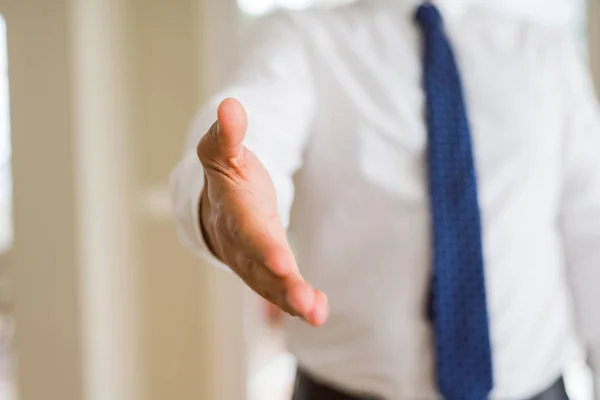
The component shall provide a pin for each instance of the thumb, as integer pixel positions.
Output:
(225, 138)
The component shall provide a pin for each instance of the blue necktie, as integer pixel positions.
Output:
(458, 302)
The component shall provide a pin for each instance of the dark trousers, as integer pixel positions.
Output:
(307, 388)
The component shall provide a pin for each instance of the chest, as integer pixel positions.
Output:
(374, 107)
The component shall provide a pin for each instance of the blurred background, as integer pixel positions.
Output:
(98, 301)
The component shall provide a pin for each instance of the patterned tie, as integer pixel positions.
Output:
(458, 303)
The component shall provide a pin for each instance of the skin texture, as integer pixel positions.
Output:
(239, 219)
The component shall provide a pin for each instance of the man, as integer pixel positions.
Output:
(439, 173)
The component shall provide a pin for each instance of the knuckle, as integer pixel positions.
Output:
(213, 131)
(206, 142)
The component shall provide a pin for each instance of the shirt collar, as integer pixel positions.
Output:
(449, 8)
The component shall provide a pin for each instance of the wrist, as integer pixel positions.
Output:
(205, 220)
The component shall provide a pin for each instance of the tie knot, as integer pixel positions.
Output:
(429, 17)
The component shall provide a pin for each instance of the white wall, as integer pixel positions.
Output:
(108, 304)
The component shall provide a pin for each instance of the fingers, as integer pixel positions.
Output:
(277, 257)
(300, 295)
(223, 143)
(311, 304)
(320, 312)
(291, 293)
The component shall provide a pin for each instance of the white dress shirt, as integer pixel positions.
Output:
(336, 108)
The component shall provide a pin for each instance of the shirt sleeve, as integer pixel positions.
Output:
(580, 218)
(273, 81)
